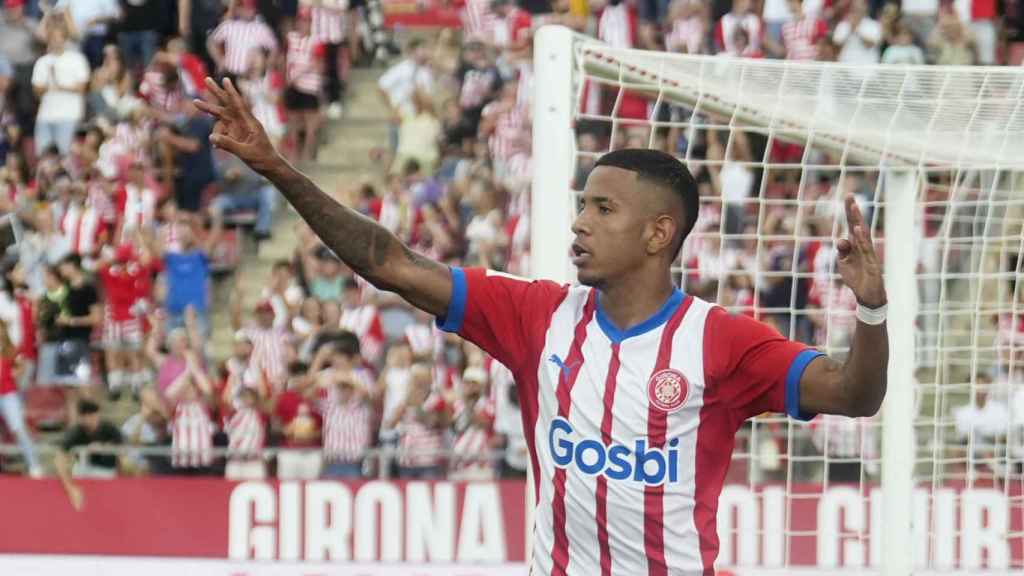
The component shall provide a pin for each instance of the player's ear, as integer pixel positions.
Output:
(663, 233)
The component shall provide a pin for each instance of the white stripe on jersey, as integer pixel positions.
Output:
(346, 428)
(328, 24)
(245, 431)
(191, 435)
(302, 70)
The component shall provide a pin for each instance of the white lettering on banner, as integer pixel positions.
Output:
(774, 503)
(325, 521)
(740, 536)
(429, 526)
(386, 496)
(977, 535)
(840, 511)
(944, 528)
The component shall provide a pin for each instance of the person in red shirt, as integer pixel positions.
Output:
(296, 413)
(125, 280)
(10, 402)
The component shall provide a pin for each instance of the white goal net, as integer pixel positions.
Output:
(933, 155)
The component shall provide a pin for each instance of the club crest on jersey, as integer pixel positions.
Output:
(667, 390)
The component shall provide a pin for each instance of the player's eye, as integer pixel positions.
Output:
(604, 209)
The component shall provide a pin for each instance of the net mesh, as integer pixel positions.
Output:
(775, 145)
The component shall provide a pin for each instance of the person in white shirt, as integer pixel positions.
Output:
(903, 50)
(89, 24)
(858, 35)
(398, 84)
(60, 78)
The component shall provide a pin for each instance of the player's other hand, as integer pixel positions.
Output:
(237, 130)
(858, 264)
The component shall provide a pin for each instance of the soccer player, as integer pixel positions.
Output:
(631, 391)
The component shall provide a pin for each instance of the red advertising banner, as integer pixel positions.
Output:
(424, 523)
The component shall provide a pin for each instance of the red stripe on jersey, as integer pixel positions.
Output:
(657, 427)
(574, 360)
(602, 481)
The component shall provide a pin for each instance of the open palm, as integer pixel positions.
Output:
(236, 129)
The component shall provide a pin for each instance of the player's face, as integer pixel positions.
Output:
(610, 226)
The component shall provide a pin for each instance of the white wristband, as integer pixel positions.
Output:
(872, 316)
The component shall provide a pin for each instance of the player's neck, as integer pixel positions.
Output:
(627, 304)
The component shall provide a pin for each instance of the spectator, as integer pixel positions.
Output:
(244, 190)
(903, 51)
(271, 344)
(234, 40)
(60, 78)
(283, 293)
(246, 432)
(242, 374)
(398, 84)
(421, 421)
(689, 31)
(192, 428)
(139, 31)
(169, 365)
(326, 281)
(124, 307)
(187, 275)
(858, 36)
(361, 315)
(739, 17)
(148, 429)
(508, 424)
(334, 23)
(193, 156)
(91, 432)
(262, 86)
(983, 17)
(19, 38)
(88, 23)
(136, 201)
(347, 416)
(111, 90)
(304, 62)
(419, 134)
(297, 416)
(920, 17)
(849, 445)
(951, 42)
(305, 325)
(473, 428)
(11, 408)
(77, 320)
(479, 83)
(801, 34)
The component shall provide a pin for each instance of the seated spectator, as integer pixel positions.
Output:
(60, 79)
(146, 428)
(244, 190)
(473, 428)
(90, 431)
(951, 43)
(246, 432)
(306, 324)
(326, 279)
(421, 421)
(11, 408)
(419, 134)
(297, 415)
(903, 51)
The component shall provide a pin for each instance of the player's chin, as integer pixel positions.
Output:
(587, 276)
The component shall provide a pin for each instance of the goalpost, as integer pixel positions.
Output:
(934, 156)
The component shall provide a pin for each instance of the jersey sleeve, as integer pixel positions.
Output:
(505, 315)
(754, 367)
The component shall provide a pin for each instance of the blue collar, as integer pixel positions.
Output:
(660, 317)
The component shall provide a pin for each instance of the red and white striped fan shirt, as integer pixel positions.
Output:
(240, 38)
(270, 352)
(800, 37)
(81, 227)
(726, 28)
(246, 432)
(422, 339)
(303, 63)
(471, 447)
(329, 23)
(630, 432)
(421, 444)
(156, 94)
(346, 427)
(137, 210)
(687, 35)
(191, 435)
(364, 322)
(507, 139)
(478, 20)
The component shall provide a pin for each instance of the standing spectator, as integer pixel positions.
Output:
(951, 42)
(689, 32)
(920, 17)
(193, 156)
(421, 421)
(123, 335)
(246, 432)
(89, 432)
(51, 305)
(983, 17)
(242, 374)
(296, 412)
(473, 427)
(60, 79)
(330, 28)
(187, 275)
(139, 29)
(78, 320)
(271, 344)
(304, 63)
(19, 35)
(419, 134)
(776, 14)
(903, 51)
(231, 44)
(89, 23)
(10, 402)
(284, 294)
(346, 411)
(479, 83)
(262, 86)
(192, 427)
(361, 316)
(800, 35)
(739, 17)
(398, 84)
(136, 201)
(858, 35)
(850, 446)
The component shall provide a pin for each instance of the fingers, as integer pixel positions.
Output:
(210, 108)
(853, 215)
(235, 97)
(226, 143)
(217, 91)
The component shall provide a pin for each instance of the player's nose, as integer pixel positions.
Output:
(580, 225)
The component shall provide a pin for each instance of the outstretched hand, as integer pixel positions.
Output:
(237, 130)
(858, 264)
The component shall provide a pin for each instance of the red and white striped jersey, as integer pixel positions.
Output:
(630, 431)
(246, 431)
(81, 227)
(726, 28)
(328, 23)
(617, 25)
(303, 63)
(424, 340)
(800, 37)
(687, 36)
(346, 427)
(364, 322)
(137, 208)
(240, 38)
(478, 20)
(191, 435)
(508, 136)
(270, 352)
(421, 443)
(153, 89)
(471, 446)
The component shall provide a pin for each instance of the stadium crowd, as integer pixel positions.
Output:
(125, 215)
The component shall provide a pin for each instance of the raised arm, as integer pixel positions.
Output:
(367, 247)
(857, 386)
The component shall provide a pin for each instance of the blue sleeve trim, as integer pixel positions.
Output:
(793, 376)
(452, 320)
